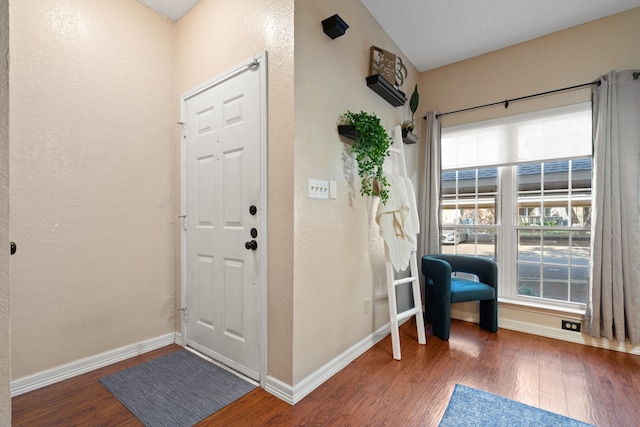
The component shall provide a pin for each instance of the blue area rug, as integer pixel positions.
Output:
(469, 407)
(178, 389)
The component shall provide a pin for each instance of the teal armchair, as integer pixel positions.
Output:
(442, 289)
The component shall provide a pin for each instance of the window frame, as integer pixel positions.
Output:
(510, 237)
(507, 229)
(474, 226)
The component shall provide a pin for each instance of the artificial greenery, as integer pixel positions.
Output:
(370, 149)
(413, 106)
(413, 102)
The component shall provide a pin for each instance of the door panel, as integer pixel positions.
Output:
(223, 174)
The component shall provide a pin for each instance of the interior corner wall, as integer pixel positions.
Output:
(573, 56)
(92, 173)
(5, 320)
(213, 37)
(339, 255)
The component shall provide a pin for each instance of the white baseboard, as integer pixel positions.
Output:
(279, 389)
(466, 316)
(289, 394)
(549, 332)
(575, 337)
(60, 373)
(293, 395)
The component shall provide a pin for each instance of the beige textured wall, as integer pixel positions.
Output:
(92, 171)
(566, 58)
(213, 37)
(339, 256)
(5, 328)
(95, 162)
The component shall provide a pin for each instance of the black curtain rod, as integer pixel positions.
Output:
(507, 101)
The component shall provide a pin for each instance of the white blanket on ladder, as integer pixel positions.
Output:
(398, 221)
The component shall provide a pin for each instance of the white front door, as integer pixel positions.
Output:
(224, 206)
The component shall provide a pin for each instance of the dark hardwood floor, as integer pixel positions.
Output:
(601, 387)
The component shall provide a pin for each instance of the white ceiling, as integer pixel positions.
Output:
(433, 33)
(172, 9)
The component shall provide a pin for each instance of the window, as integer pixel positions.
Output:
(469, 201)
(518, 190)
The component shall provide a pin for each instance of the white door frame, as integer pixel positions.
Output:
(260, 61)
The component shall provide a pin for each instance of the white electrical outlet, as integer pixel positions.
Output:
(366, 305)
(318, 189)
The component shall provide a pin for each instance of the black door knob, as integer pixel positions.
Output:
(252, 245)
(14, 248)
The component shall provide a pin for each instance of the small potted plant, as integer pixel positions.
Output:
(371, 147)
(407, 127)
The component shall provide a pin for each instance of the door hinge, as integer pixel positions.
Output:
(183, 129)
(184, 221)
(184, 313)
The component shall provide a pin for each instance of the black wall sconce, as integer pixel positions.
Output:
(334, 26)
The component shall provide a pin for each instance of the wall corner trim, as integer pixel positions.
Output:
(69, 370)
(295, 394)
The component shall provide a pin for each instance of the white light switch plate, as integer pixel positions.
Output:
(318, 189)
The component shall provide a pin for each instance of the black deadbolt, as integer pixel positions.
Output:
(254, 233)
(14, 248)
(253, 210)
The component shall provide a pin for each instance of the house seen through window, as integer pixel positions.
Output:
(518, 190)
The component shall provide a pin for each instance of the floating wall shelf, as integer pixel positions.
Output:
(409, 137)
(348, 131)
(382, 87)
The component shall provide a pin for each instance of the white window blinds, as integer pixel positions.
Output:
(558, 133)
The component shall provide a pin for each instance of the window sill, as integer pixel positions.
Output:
(536, 307)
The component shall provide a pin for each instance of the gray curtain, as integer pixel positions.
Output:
(613, 305)
(429, 242)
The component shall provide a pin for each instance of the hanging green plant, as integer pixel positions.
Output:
(371, 148)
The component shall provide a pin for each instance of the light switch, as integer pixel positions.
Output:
(333, 190)
(318, 189)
